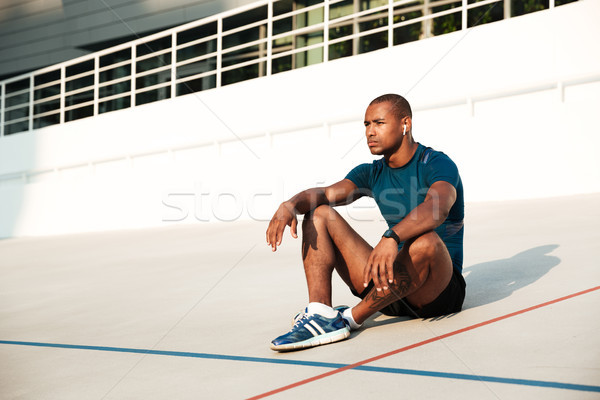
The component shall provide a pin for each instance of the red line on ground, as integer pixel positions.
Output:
(419, 344)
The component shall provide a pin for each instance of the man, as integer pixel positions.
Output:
(415, 269)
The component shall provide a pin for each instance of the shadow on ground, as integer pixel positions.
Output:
(491, 281)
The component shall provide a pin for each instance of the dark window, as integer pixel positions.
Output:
(46, 120)
(153, 95)
(46, 78)
(79, 113)
(242, 74)
(153, 46)
(196, 33)
(80, 68)
(196, 68)
(114, 104)
(197, 85)
(116, 57)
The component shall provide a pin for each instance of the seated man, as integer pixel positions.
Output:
(415, 269)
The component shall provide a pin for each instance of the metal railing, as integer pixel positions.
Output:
(261, 39)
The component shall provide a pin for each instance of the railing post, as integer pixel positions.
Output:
(507, 9)
(96, 83)
(2, 105)
(133, 71)
(62, 94)
(326, 30)
(30, 103)
(390, 23)
(464, 14)
(173, 64)
(269, 37)
(219, 49)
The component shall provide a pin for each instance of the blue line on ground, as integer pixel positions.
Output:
(450, 375)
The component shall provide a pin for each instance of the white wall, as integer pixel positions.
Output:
(538, 143)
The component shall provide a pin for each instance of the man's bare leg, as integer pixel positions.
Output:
(328, 243)
(422, 269)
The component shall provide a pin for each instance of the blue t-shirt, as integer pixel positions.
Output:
(397, 191)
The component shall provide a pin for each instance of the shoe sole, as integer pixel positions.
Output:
(327, 338)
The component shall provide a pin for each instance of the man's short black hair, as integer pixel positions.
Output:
(401, 108)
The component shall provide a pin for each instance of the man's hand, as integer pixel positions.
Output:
(380, 266)
(284, 216)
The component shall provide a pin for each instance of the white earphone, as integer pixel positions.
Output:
(404, 133)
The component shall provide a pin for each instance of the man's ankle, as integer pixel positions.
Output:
(321, 309)
(347, 315)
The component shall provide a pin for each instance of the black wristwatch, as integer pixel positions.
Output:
(391, 234)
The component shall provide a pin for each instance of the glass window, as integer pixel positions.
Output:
(148, 64)
(447, 23)
(525, 7)
(16, 100)
(197, 50)
(114, 104)
(197, 33)
(407, 33)
(341, 49)
(198, 67)
(153, 79)
(11, 115)
(17, 86)
(197, 85)
(368, 4)
(46, 106)
(153, 95)
(308, 39)
(242, 74)
(240, 56)
(116, 57)
(341, 9)
(308, 57)
(153, 46)
(485, 14)
(79, 98)
(373, 42)
(80, 68)
(283, 44)
(80, 83)
(116, 88)
(115, 73)
(373, 21)
(245, 36)
(17, 127)
(78, 113)
(245, 18)
(48, 91)
(46, 120)
(46, 78)
(281, 64)
(286, 6)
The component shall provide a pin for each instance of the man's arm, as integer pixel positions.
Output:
(427, 216)
(340, 193)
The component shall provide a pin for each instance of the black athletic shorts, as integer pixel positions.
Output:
(448, 302)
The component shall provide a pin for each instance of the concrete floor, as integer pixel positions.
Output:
(188, 312)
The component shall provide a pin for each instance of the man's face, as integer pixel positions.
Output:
(383, 129)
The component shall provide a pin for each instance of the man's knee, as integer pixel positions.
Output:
(321, 214)
(426, 247)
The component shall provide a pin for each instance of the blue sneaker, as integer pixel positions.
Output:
(312, 330)
(301, 313)
(352, 325)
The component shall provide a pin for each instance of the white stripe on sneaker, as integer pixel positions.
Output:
(314, 323)
(311, 330)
